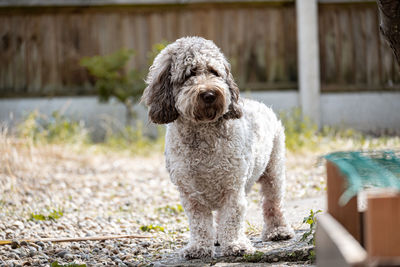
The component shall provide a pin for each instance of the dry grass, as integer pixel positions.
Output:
(23, 163)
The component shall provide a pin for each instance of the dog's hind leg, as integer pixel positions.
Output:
(272, 189)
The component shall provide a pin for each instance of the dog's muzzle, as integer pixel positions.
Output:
(210, 105)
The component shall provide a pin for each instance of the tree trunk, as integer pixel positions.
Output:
(389, 12)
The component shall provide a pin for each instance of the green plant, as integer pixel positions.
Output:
(155, 50)
(312, 255)
(311, 220)
(52, 216)
(175, 210)
(255, 257)
(134, 140)
(309, 235)
(334, 133)
(300, 131)
(113, 79)
(252, 229)
(148, 228)
(55, 128)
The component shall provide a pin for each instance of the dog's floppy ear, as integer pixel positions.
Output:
(234, 110)
(158, 94)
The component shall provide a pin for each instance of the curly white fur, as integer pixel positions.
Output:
(217, 146)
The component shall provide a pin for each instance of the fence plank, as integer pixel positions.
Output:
(346, 58)
(41, 47)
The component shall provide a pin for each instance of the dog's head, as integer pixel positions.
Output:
(191, 78)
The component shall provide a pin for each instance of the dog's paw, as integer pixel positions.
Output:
(237, 249)
(196, 252)
(278, 233)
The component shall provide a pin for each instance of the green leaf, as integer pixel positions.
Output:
(37, 217)
(53, 215)
(148, 228)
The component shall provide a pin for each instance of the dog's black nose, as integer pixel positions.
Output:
(208, 97)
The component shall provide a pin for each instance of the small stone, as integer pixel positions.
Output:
(9, 231)
(15, 244)
(18, 252)
(31, 253)
(12, 255)
(75, 247)
(121, 263)
(68, 256)
(33, 245)
(62, 253)
(85, 256)
(42, 255)
(165, 251)
(19, 224)
(40, 243)
(24, 243)
(135, 251)
(145, 244)
(32, 248)
(43, 262)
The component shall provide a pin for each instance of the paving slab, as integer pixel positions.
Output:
(292, 252)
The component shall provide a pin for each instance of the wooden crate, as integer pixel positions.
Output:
(347, 237)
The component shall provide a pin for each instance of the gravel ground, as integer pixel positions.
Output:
(99, 194)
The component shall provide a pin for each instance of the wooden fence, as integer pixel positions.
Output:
(41, 46)
(353, 53)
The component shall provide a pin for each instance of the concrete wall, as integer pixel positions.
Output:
(97, 116)
(368, 112)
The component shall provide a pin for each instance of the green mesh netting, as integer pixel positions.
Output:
(364, 169)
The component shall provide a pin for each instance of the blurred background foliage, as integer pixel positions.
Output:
(40, 129)
(301, 134)
(115, 80)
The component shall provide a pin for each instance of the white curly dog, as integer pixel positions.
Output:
(217, 146)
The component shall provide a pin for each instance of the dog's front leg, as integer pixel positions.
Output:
(230, 231)
(201, 244)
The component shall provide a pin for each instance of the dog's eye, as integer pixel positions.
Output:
(214, 72)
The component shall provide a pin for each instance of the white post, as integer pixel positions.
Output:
(308, 58)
